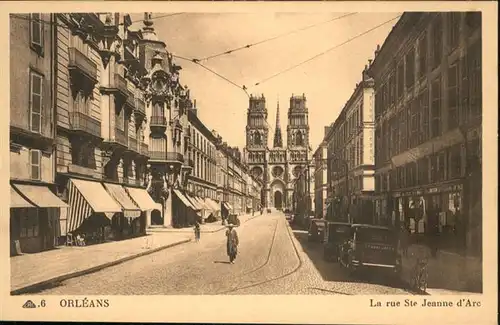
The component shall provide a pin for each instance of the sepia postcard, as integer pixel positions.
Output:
(246, 162)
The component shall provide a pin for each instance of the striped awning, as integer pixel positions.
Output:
(196, 205)
(130, 210)
(85, 197)
(215, 206)
(203, 204)
(183, 199)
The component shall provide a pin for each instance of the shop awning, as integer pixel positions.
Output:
(17, 201)
(194, 202)
(40, 195)
(213, 204)
(130, 210)
(203, 204)
(141, 198)
(85, 197)
(183, 199)
(228, 206)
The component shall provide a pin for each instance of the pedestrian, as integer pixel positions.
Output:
(197, 232)
(232, 243)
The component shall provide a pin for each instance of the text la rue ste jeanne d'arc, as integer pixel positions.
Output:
(425, 303)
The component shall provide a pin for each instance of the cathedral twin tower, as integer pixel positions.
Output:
(280, 165)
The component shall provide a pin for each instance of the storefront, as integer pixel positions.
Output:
(91, 211)
(126, 223)
(143, 200)
(34, 218)
(184, 212)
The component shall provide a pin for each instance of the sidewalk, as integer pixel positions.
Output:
(448, 273)
(31, 272)
(204, 228)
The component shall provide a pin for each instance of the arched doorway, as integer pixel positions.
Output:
(278, 200)
(156, 218)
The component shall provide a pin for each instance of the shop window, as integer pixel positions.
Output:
(436, 108)
(455, 162)
(36, 33)
(36, 164)
(437, 41)
(29, 222)
(422, 48)
(401, 80)
(410, 68)
(453, 118)
(36, 101)
(454, 29)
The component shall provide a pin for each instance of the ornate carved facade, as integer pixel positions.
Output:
(278, 167)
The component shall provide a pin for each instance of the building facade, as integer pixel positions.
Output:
(321, 180)
(428, 127)
(350, 152)
(34, 208)
(278, 166)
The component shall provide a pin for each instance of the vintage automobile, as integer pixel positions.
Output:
(316, 230)
(335, 235)
(370, 247)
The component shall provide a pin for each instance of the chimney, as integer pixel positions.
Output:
(377, 50)
(370, 62)
(193, 109)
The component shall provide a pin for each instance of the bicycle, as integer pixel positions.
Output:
(420, 275)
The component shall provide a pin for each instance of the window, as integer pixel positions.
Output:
(424, 104)
(401, 80)
(411, 174)
(29, 221)
(410, 68)
(392, 88)
(436, 108)
(36, 32)
(35, 163)
(437, 42)
(402, 130)
(441, 166)
(464, 90)
(423, 171)
(453, 118)
(475, 81)
(454, 30)
(434, 168)
(455, 162)
(36, 101)
(414, 121)
(394, 141)
(423, 55)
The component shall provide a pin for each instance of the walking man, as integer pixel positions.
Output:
(197, 232)
(232, 243)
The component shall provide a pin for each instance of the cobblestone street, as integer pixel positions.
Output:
(272, 259)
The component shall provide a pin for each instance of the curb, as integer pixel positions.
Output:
(39, 285)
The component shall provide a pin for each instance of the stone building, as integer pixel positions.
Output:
(277, 166)
(321, 180)
(428, 127)
(34, 208)
(351, 150)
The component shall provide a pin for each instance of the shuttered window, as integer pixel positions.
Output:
(36, 32)
(36, 100)
(35, 164)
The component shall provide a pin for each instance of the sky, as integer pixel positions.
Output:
(327, 81)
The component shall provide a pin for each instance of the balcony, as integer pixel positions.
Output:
(85, 125)
(166, 156)
(140, 107)
(118, 86)
(121, 137)
(158, 123)
(144, 150)
(130, 102)
(133, 145)
(82, 66)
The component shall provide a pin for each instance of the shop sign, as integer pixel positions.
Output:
(408, 193)
(447, 188)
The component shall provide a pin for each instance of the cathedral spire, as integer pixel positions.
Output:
(278, 141)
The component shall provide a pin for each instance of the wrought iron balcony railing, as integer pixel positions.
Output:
(144, 149)
(81, 63)
(84, 123)
(158, 121)
(166, 156)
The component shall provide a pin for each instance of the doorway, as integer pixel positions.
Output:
(278, 200)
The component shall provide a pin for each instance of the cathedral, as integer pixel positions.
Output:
(280, 165)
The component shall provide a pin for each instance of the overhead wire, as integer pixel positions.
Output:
(275, 37)
(326, 51)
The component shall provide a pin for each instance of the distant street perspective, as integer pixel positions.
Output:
(272, 259)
